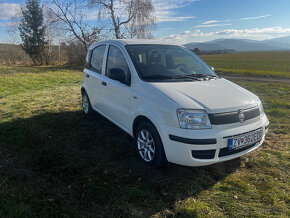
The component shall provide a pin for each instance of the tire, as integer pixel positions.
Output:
(86, 105)
(149, 146)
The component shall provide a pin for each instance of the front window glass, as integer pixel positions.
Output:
(168, 63)
(117, 60)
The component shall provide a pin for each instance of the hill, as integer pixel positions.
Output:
(242, 45)
(283, 42)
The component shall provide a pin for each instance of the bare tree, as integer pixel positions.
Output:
(50, 34)
(69, 15)
(129, 18)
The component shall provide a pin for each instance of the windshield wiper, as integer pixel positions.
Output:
(205, 75)
(198, 75)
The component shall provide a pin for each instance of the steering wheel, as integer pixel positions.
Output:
(184, 67)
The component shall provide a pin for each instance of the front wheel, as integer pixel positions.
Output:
(149, 145)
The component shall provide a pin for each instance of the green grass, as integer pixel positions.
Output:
(269, 64)
(57, 163)
(19, 79)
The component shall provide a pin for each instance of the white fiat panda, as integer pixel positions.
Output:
(174, 106)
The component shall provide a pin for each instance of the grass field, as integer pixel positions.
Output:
(269, 64)
(54, 162)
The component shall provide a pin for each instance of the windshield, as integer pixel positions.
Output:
(168, 63)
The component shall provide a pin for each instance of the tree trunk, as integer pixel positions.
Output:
(117, 32)
(33, 60)
(41, 60)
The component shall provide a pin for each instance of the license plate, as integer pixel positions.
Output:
(244, 140)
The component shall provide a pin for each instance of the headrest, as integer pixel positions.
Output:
(155, 57)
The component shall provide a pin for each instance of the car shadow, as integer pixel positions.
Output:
(90, 164)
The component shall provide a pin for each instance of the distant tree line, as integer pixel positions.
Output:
(11, 54)
(206, 52)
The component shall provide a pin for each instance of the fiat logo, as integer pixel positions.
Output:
(242, 116)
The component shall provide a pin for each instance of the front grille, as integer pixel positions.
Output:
(233, 117)
(225, 151)
(203, 154)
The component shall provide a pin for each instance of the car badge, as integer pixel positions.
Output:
(241, 116)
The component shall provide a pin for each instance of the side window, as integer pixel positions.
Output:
(97, 59)
(115, 60)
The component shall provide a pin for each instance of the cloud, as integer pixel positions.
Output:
(164, 10)
(9, 10)
(213, 25)
(254, 18)
(186, 36)
(251, 32)
(180, 38)
(186, 33)
(211, 21)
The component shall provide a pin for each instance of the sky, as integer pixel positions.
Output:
(184, 21)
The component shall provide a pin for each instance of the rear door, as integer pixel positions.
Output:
(115, 97)
(93, 75)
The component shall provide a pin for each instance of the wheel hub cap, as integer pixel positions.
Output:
(85, 104)
(146, 146)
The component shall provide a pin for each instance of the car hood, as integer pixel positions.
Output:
(214, 96)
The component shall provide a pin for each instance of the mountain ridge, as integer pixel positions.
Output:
(281, 43)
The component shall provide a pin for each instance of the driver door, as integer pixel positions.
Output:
(115, 96)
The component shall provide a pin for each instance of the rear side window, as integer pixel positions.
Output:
(97, 59)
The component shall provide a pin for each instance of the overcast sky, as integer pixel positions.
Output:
(185, 21)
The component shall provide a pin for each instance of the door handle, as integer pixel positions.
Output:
(87, 75)
(104, 83)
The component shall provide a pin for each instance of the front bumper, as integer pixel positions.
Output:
(210, 144)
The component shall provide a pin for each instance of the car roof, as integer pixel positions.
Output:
(131, 42)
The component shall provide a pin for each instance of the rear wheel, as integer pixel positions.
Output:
(149, 145)
(86, 105)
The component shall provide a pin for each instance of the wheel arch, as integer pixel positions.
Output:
(138, 120)
(83, 90)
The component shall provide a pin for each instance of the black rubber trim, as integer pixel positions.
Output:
(192, 141)
(233, 117)
(203, 154)
(225, 151)
(231, 136)
(267, 126)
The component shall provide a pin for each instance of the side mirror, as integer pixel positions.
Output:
(212, 68)
(119, 75)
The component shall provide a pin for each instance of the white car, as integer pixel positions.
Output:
(174, 106)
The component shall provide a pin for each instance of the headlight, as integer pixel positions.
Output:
(261, 108)
(193, 119)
